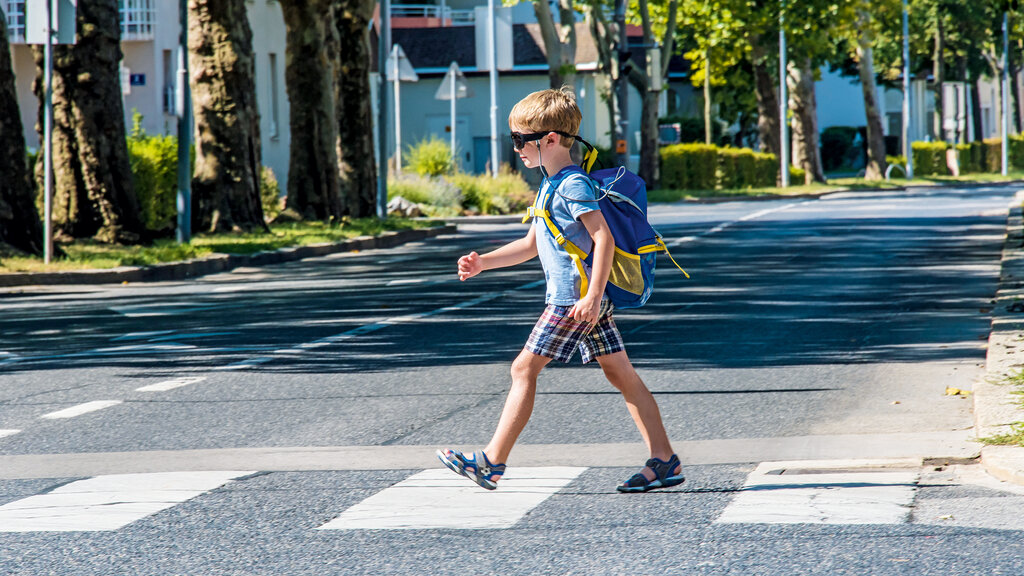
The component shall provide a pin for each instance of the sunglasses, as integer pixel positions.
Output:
(519, 139)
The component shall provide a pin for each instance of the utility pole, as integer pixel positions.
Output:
(622, 87)
(783, 101)
(492, 47)
(183, 102)
(908, 150)
(48, 137)
(1005, 97)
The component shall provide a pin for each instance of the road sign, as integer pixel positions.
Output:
(454, 75)
(63, 21)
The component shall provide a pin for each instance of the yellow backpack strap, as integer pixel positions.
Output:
(662, 246)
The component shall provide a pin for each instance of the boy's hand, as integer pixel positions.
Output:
(470, 265)
(586, 310)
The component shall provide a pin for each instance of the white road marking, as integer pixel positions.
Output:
(823, 493)
(107, 502)
(5, 433)
(171, 384)
(81, 409)
(368, 328)
(143, 335)
(167, 309)
(438, 498)
(725, 225)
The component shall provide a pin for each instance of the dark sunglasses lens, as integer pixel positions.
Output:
(517, 140)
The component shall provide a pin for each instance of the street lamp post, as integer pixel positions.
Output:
(783, 102)
(183, 234)
(907, 148)
(1005, 97)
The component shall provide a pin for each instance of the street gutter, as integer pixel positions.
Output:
(215, 263)
(996, 407)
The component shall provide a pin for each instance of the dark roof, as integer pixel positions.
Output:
(437, 47)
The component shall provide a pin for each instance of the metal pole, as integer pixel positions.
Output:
(1006, 93)
(783, 102)
(622, 89)
(48, 139)
(492, 47)
(398, 112)
(383, 47)
(184, 102)
(908, 150)
(452, 94)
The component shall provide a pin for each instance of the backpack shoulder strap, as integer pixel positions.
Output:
(542, 209)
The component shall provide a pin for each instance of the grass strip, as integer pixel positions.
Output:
(1016, 435)
(86, 254)
(833, 185)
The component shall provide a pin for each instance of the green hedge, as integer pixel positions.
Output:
(154, 163)
(703, 167)
(973, 157)
(689, 167)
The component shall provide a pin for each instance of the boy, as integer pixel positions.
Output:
(543, 127)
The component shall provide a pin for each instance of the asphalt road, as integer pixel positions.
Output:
(824, 330)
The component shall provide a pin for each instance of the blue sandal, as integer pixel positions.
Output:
(476, 467)
(663, 472)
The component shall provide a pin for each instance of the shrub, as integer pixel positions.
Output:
(837, 143)
(1017, 151)
(993, 154)
(691, 129)
(436, 196)
(154, 165)
(508, 193)
(744, 168)
(430, 157)
(971, 157)
(689, 167)
(270, 194)
(929, 158)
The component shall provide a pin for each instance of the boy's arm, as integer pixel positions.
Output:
(589, 307)
(515, 252)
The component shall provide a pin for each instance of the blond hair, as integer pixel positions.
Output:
(548, 111)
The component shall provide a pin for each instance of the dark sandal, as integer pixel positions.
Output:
(476, 467)
(663, 476)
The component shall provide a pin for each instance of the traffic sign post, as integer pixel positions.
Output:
(49, 22)
(452, 88)
(399, 70)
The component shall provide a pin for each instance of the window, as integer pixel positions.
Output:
(15, 11)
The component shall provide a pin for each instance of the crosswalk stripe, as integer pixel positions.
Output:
(823, 493)
(107, 502)
(171, 384)
(8, 432)
(438, 498)
(81, 409)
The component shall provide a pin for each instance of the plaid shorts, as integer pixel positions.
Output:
(557, 336)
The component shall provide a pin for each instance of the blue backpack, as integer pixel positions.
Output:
(622, 198)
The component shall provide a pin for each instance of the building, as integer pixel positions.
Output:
(149, 41)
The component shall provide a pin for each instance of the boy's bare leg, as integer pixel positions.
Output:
(518, 405)
(642, 406)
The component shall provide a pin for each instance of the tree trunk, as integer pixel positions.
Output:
(313, 162)
(977, 121)
(356, 166)
(226, 182)
(559, 41)
(93, 193)
(806, 149)
(601, 32)
(875, 168)
(938, 73)
(19, 220)
(767, 101)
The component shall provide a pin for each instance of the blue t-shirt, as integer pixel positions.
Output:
(573, 197)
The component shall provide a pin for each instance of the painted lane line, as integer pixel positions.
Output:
(5, 433)
(107, 503)
(428, 500)
(143, 335)
(171, 384)
(725, 225)
(369, 328)
(81, 409)
(773, 495)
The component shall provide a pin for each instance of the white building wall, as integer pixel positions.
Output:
(157, 57)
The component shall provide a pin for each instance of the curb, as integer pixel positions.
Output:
(995, 405)
(218, 262)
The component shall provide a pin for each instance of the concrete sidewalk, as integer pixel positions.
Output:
(996, 407)
(218, 262)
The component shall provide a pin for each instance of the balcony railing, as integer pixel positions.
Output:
(138, 18)
(456, 17)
